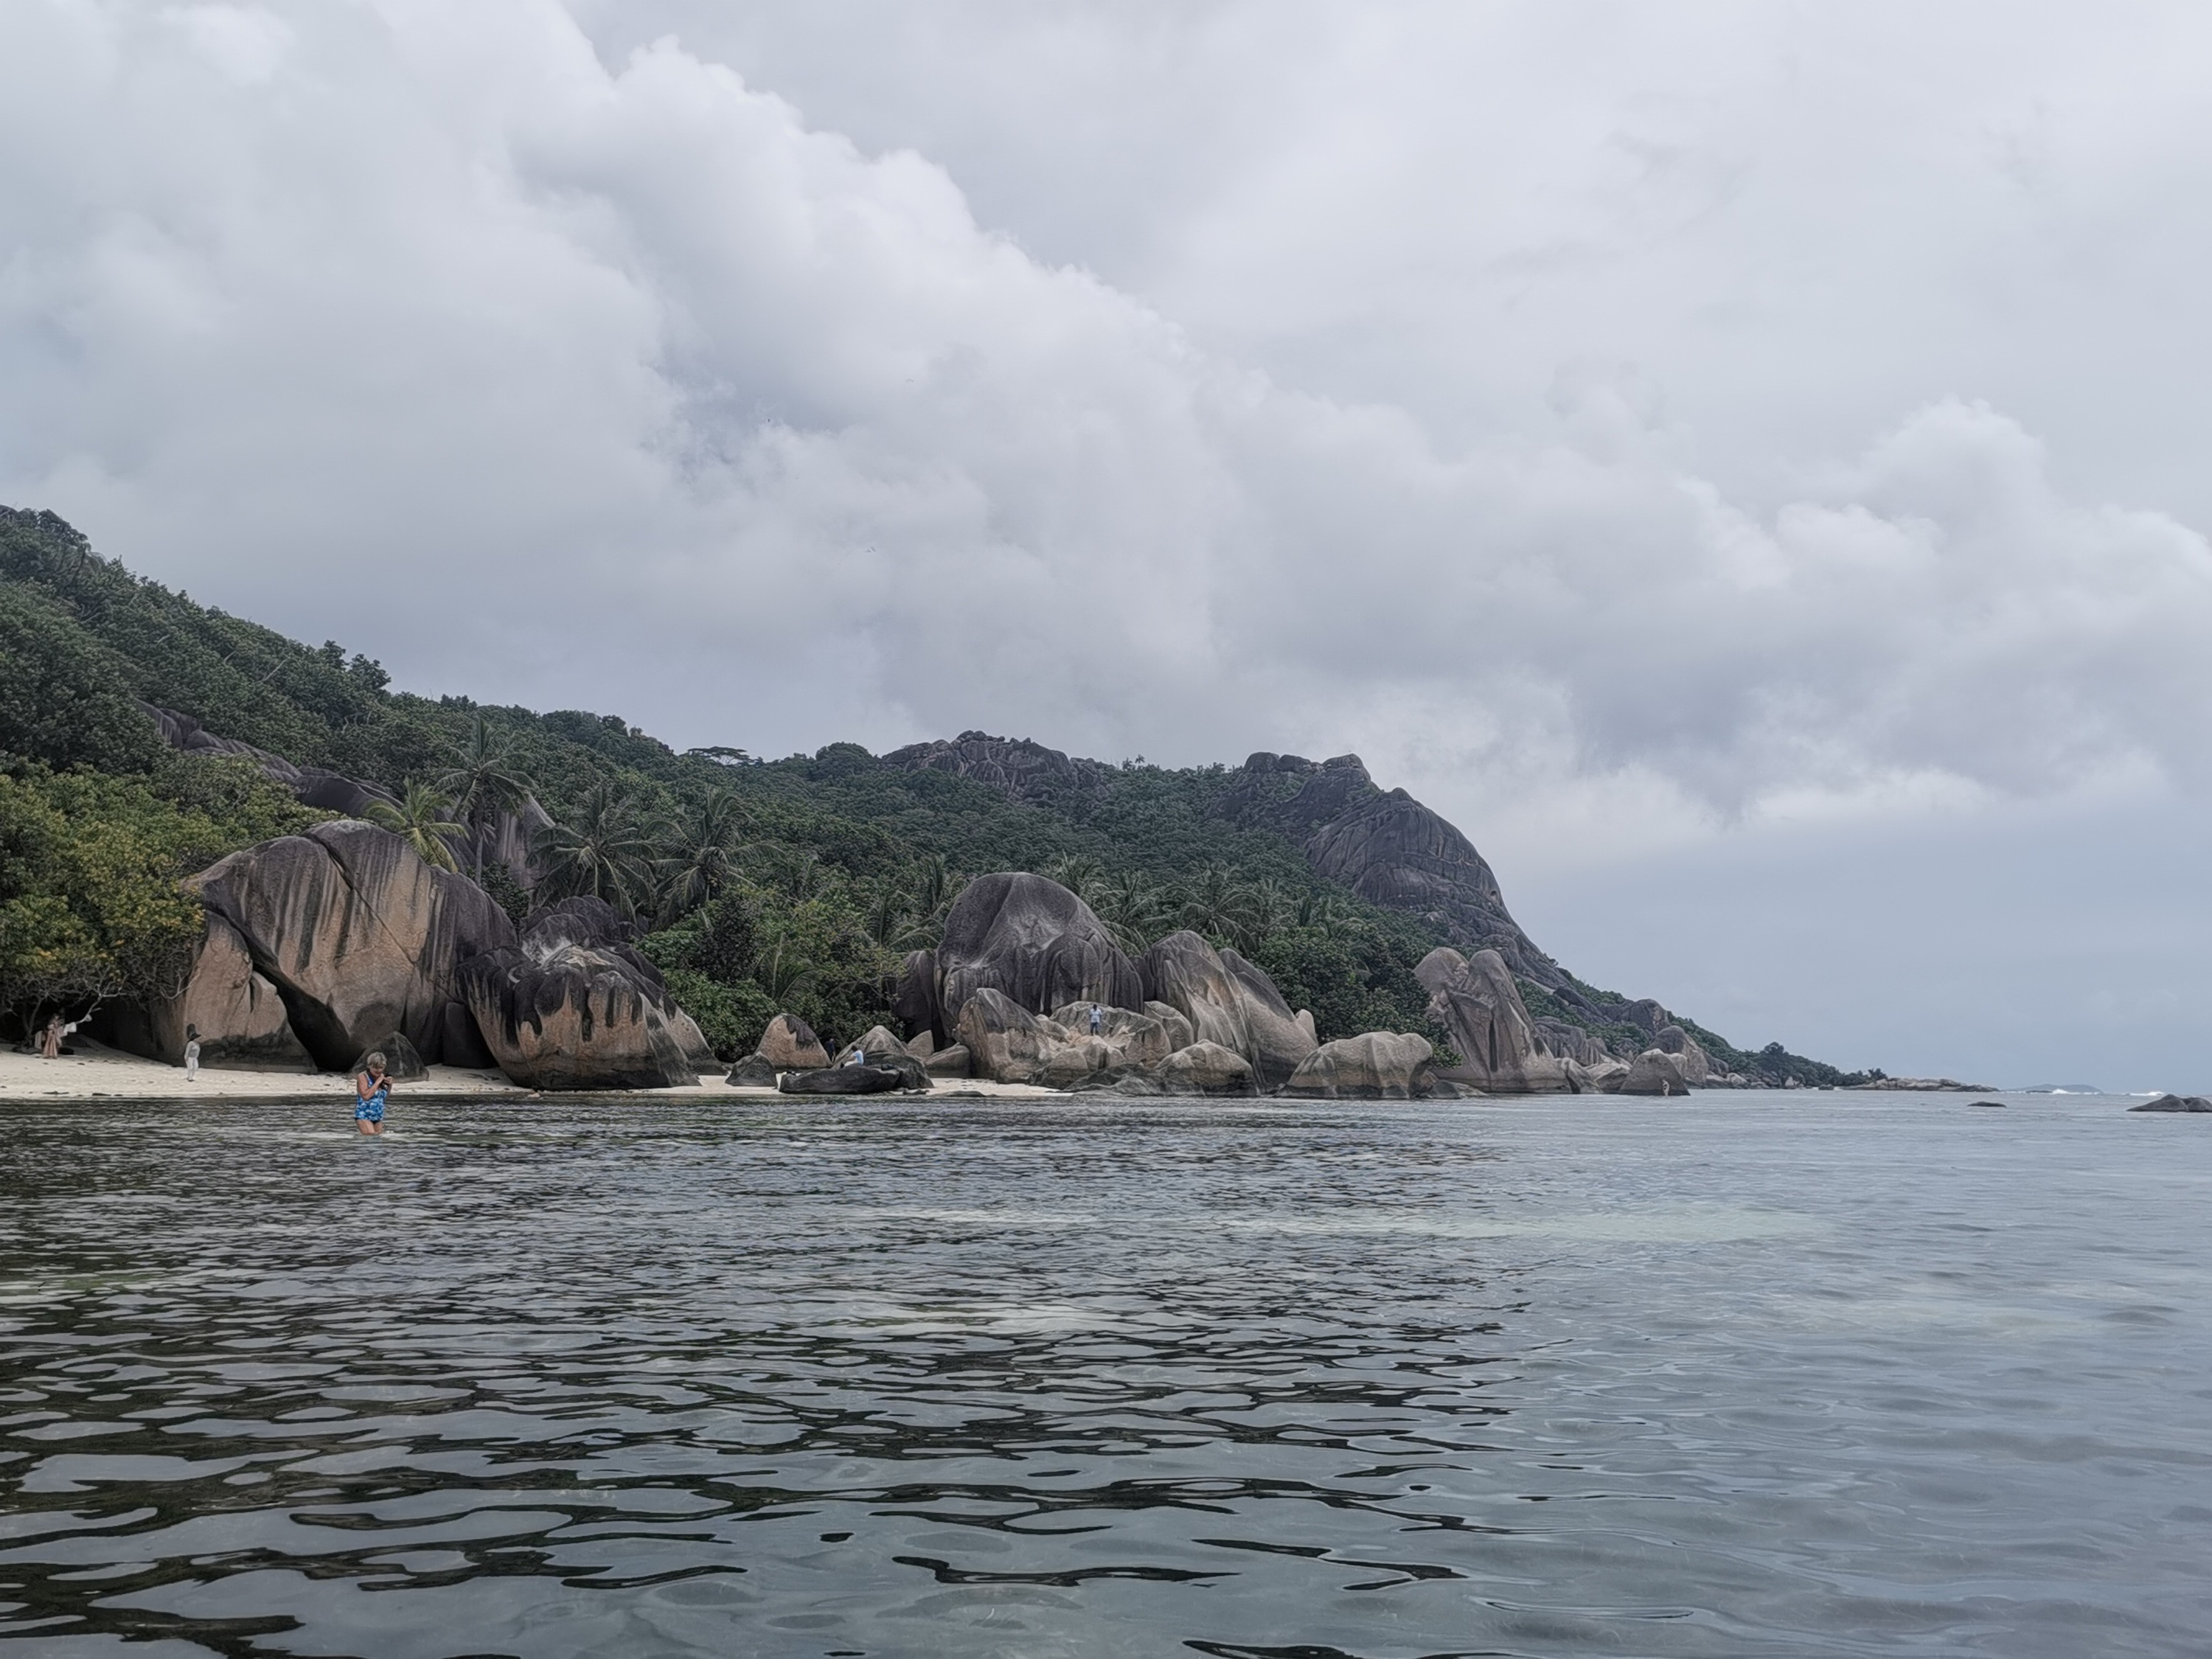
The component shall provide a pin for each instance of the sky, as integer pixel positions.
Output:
(1743, 464)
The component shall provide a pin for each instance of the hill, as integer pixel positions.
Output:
(142, 733)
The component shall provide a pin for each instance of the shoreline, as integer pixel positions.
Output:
(96, 1072)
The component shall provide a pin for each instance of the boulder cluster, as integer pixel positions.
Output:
(323, 947)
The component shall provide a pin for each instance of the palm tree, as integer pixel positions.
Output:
(600, 852)
(1131, 908)
(781, 975)
(696, 858)
(421, 819)
(484, 781)
(1268, 909)
(1216, 904)
(1318, 908)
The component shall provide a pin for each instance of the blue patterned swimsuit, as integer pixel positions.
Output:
(371, 1109)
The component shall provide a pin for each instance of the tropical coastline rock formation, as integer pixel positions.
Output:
(789, 1045)
(1477, 1003)
(362, 939)
(1025, 937)
(1374, 1065)
(573, 1006)
(1654, 1072)
(237, 1012)
(1229, 1002)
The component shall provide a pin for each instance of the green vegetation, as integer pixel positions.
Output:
(797, 883)
(90, 907)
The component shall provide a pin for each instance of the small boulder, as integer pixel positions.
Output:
(1603, 1077)
(951, 1062)
(883, 1050)
(1004, 1041)
(755, 1071)
(1126, 1084)
(1174, 1024)
(790, 1045)
(1655, 1072)
(1207, 1068)
(1373, 1065)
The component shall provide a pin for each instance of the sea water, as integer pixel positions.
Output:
(1757, 1374)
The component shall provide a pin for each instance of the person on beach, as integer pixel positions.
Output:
(50, 1039)
(371, 1090)
(192, 1054)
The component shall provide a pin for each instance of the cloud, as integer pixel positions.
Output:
(569, 381)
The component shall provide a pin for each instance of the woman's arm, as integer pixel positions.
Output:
(362, 1088)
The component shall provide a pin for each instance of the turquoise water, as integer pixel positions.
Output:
(1748, 1375)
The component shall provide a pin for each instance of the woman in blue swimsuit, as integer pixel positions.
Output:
(371, 1090)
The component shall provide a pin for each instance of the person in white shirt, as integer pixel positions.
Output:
(192, 1054)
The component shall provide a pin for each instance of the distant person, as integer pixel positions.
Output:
(371, 1090)
(858, 1057)
(192, 1054)
(50, 1039)
(1098, 1020)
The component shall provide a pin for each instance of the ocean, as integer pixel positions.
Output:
(1750, 1374)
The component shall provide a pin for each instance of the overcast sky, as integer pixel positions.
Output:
(1745, 464)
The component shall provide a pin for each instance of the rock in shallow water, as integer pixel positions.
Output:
(1373, 1065)
(2175, 1104)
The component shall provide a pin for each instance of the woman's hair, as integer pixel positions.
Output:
(374, 1062)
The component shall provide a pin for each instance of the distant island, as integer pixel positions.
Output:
(209, 825)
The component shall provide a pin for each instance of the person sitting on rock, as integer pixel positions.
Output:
(371, 1090)
(858, 1057)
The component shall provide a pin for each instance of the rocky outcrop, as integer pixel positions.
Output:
(1673, 1039)
(573, 1006)
(1571, 1043)
(1229, 1002)
(1654, 1072)
(1004, 1041)
(884, 1052)
(1477, 1003)
(360, 939)
(1374, 1065)
(1602, 1076)
(1024, 937)
(1028, 771)
(789, 1045)
(1207, 1068)
(952, 1062)
(2163, 1104)
(239, 1017)
(1126, 1036)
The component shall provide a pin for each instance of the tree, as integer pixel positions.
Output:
(1132, 909)
(600, 853)
(1216, 904)
(696, 856)
(423, 820)
(484, 782)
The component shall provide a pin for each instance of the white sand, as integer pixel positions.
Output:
(95, 1073)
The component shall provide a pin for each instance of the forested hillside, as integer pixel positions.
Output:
(794, 883)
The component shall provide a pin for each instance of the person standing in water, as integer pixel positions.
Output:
(371, 1090)
(192, 1054)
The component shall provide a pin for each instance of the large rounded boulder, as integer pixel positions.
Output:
(1374, 1065)
(1229, 1002)
(574, 1005)
(1025, 937)
(360, 939)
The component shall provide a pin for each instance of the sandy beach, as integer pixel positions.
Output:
(96, 1072)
